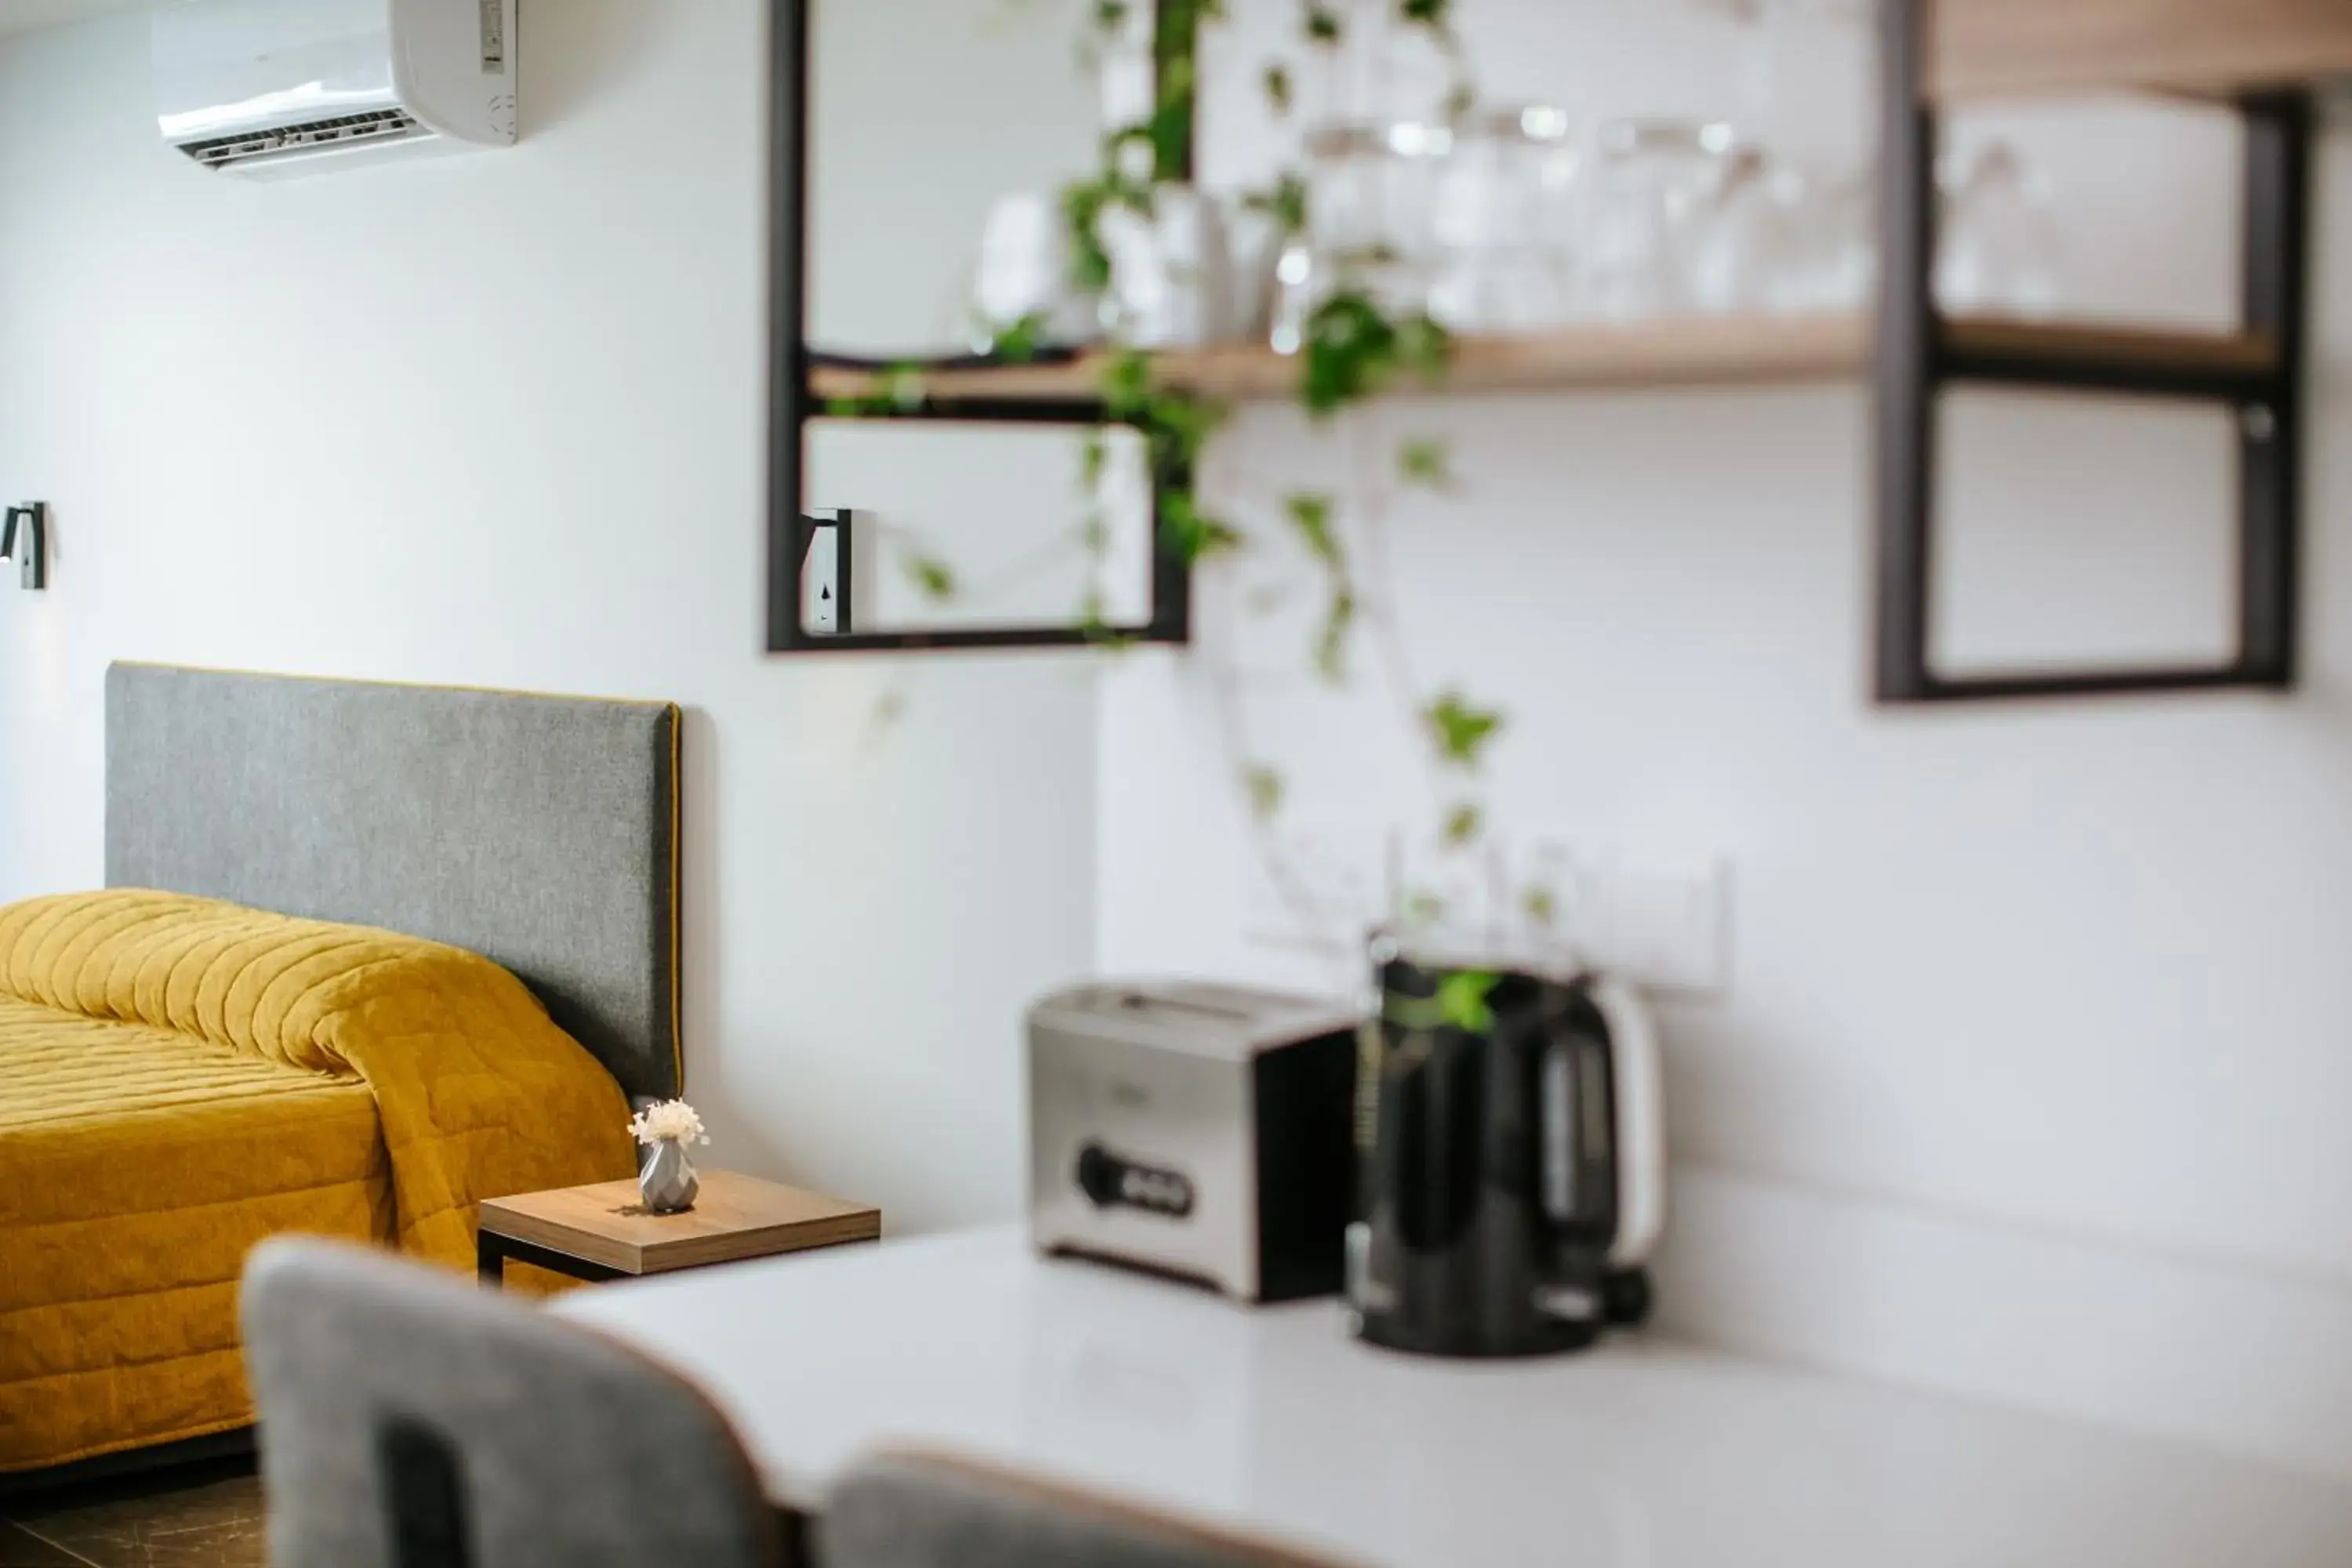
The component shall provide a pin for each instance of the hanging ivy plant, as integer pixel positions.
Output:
(1353, 350)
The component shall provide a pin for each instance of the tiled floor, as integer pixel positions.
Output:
(207, 1516)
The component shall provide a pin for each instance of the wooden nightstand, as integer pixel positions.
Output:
(602, 1232)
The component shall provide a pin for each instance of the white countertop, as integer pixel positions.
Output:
(1642, 1454)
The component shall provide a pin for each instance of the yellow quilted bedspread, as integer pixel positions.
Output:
(180, 1078)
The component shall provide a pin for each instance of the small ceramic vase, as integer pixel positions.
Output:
(666, 1181)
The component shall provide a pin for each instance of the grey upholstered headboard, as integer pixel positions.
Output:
(540, 831)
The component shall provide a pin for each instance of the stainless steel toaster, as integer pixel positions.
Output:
(1194, 1130)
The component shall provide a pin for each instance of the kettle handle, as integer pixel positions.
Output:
(1640, 1085)
(1601, 1133)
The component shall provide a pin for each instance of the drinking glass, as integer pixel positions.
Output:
(1738, 239)
(1371, 191)
(2000, 247)
(1504, 225)
(1827, 262)
(1655, 185)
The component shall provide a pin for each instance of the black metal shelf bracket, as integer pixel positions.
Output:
(1914, 363)
(793, 535)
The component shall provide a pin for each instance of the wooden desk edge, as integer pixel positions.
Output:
(664, 1256)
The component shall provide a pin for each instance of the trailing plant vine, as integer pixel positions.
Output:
(1353, 350)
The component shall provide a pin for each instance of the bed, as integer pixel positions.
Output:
(366, 955)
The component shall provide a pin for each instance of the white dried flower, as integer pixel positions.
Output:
(670, 1122)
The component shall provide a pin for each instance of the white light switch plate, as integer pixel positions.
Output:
(1667, 928)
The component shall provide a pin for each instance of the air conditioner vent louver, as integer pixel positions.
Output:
(341, 130)
(269, 90)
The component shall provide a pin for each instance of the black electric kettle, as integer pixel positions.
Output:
(1510, 1152)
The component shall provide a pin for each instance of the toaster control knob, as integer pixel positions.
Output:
(1110, 1181)
(1099, 1171)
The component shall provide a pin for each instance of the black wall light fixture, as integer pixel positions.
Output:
(25, 539)
(826, 578)
(801, 546)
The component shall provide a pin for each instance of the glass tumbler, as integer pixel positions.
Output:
(1739, 236)
(1655, 185)
(1370, 191)
(1504, 224)
(1999, 246)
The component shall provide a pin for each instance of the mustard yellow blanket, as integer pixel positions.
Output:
(179, 1078)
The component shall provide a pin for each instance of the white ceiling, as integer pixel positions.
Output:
(25, 16)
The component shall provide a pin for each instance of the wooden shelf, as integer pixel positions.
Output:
(2214, 48)
(1693, 353)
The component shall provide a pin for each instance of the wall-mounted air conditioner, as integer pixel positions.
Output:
(270, 86)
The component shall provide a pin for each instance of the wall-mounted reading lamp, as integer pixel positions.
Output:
(25, 539)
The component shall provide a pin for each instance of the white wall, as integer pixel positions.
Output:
(497, 420)
(2030, 1079)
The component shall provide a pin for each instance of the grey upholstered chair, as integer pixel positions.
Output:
(928, 1511)
(410, 1420)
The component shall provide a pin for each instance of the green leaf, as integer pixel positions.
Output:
(1194, 536)
(1277, 88)
(932, 577)
(1459, 730)
(1284, 202)
(1217, 538)
(1350, 347)
(1126, 184)
(1426, 461)
(1019, 343)
(1423, 345)
(898, 389)
(1462, 822)
(1462, 1000)
(1358, 262)
(1098, 631)
(1181, 424)
(1311, 516)
(1084, 201)
(1331, 638)
(1082, 206)
(1264, 786)
(1126, 383)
